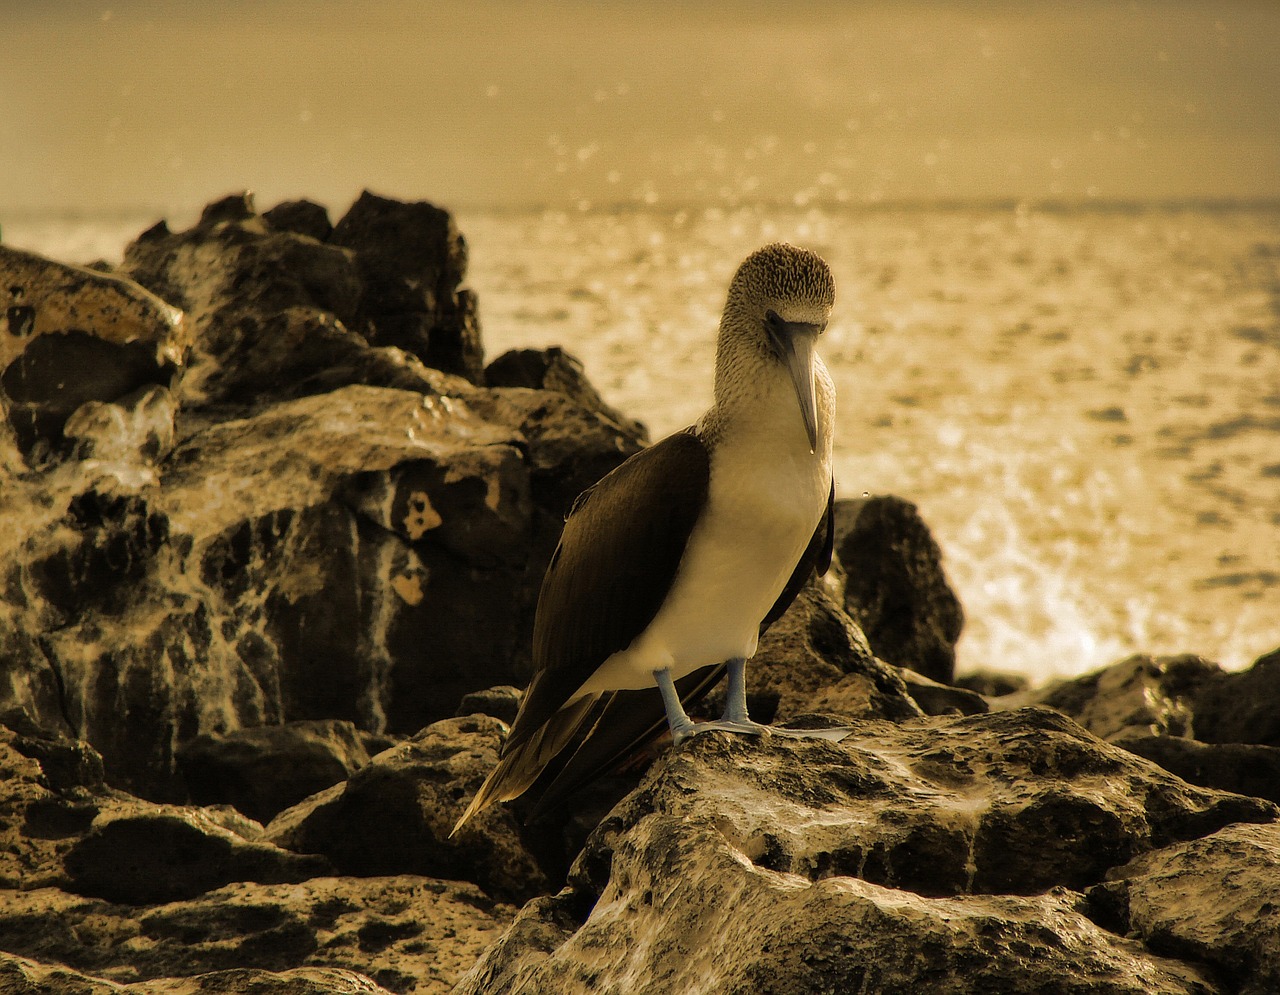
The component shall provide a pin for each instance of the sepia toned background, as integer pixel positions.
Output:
(155, 104)
(1054, 226)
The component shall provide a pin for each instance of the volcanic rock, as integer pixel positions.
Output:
(895, 587)
(311, 524)
(161, 855)
(1207, 725)
(265, 770)
(20, 976)
(1242, 707)
(941, 854)
(1213, 900)
(555, 369)
(71, 336)
(394, 816)
(501, 702)
(410, 934)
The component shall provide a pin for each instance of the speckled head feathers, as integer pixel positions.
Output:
(786, 274)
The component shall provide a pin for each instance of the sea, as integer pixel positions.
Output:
(1083, 400)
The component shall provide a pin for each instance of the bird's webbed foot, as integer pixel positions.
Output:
(749, 728)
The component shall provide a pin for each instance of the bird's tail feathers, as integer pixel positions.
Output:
(521, 766)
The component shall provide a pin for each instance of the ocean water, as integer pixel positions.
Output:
(1083, 402)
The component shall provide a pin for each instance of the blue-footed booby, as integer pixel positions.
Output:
(671, 566)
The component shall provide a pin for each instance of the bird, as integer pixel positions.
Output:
(671, 566)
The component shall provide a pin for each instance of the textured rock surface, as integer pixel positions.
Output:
(410, 934)
(71, 336)
(262, 771)
(1214, 900)
(939, 854)
(312, 524)
(1187, 714)
(395, 815)
(895, 587)
(160, 855)
(21, 976)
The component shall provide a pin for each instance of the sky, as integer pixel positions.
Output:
(166, 105)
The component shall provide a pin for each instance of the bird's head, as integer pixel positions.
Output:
(779, 302)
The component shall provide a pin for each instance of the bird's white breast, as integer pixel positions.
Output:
(766, 495)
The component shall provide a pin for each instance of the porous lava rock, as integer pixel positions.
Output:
(1213, 900)
(264, 770)
(940, 854)
(410, 934)
(394, 815)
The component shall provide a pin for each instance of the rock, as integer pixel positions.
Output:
(312, 524)
(993, 683)
(413, 258)
(72, 336)
(302, 217)
(137, 428)
(162, 855)
(1242, 707)
(942, 699)
(265, 770)
(1245, 768)
(1142, 695)
(1185, 713)
(410, 934)
(555, 369)
(20, 976)
(815, 659)
(938, 853)
(895, 587)
(501, 702)
(1212, 901)
(48, 798)
(394, 816)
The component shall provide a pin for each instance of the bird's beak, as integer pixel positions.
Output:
(794, 342)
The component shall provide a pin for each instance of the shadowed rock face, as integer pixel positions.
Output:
(895, 588)
(1187, 714)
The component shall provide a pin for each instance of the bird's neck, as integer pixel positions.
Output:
(755, 403)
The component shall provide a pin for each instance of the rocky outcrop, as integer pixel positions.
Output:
(1214, 900)
(265, 770)
(947, 854)
(895, 588)
(78, 340)
(304, 521)
(1205, 724)
(395, 815)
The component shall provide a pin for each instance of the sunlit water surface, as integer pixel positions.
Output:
(1084, 404)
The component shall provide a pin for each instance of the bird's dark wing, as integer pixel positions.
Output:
(631, 719)
(612, 570)
(627, 721)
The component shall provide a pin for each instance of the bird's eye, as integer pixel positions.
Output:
(772, 317)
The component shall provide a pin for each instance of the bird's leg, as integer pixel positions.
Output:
(678, 720)
(735, 696)
(734, 718)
